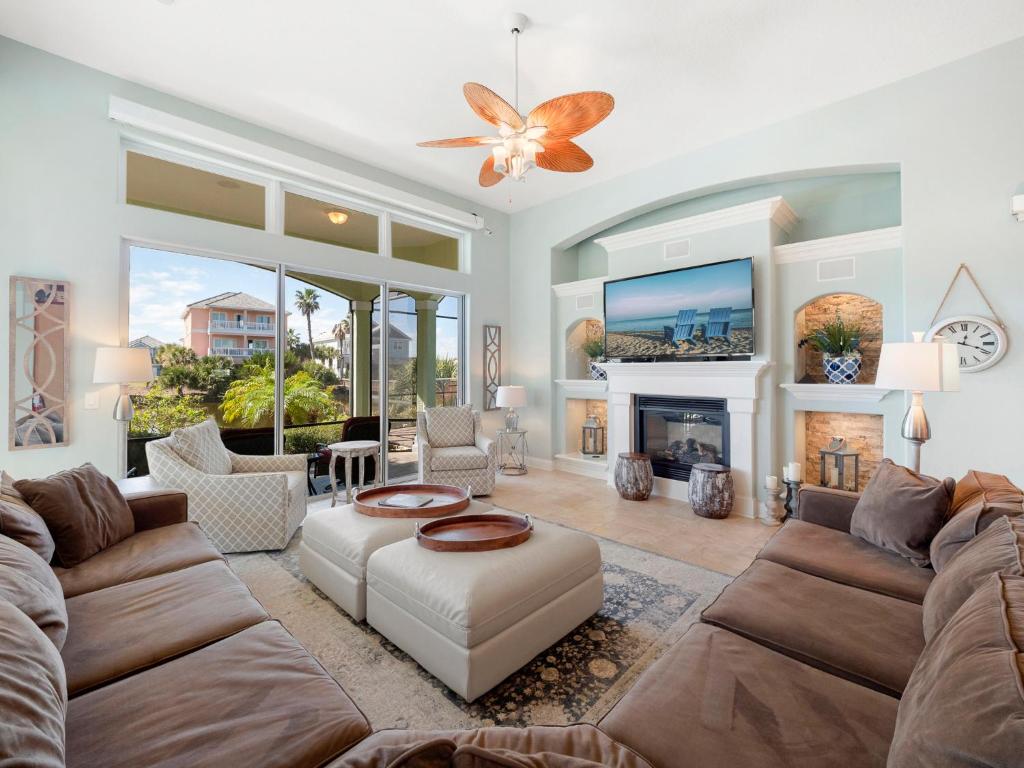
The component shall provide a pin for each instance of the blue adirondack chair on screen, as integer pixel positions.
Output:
(719, 323)
(686, 326)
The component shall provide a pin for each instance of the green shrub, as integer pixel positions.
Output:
(305, 439)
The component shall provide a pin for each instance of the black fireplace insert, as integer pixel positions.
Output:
(678, 432)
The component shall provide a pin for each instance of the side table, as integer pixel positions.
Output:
(349, 450)
(512, 450)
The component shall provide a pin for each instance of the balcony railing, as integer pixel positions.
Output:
(236, 353)
(239, 326)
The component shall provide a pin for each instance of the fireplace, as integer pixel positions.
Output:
(678, 432)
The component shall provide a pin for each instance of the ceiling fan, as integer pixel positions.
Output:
(543, 138)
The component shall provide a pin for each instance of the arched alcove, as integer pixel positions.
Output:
(854, 309)
(577, 364)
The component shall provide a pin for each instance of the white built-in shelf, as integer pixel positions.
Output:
(579, 464)
(864, 393)
(591, 389)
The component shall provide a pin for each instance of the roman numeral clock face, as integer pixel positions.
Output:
(980, 342)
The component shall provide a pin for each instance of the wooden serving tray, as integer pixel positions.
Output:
(474, 533)
(448, 499)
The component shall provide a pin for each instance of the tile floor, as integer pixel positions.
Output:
(665, 526)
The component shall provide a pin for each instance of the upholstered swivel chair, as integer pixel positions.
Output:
(454, 451)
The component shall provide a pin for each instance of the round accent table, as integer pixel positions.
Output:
(349, 450)
(512, 450)
(634, 476)
(711, 491)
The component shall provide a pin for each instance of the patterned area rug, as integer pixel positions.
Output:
(650, 601)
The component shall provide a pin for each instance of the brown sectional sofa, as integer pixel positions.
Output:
(801, 661)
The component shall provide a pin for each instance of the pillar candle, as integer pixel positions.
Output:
(795, 471)
(771, 482)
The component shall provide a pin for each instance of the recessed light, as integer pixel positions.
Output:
(337, 217)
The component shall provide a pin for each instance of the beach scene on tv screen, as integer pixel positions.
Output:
(704, 311)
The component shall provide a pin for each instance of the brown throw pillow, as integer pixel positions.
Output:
(984, 486)
(20, 522)
(980, 499)
(30, 585)
(33, 694)
(962, 705)
(901, 511)
(83, 509)
(998, 550)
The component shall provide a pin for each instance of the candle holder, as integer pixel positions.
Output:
(792, 503)
(772, 510)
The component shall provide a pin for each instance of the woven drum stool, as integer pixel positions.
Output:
(711, 491)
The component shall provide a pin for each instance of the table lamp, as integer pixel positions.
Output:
(511, 397)
(918, 367)
(122, 365)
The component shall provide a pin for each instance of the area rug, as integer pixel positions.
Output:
(650, 601)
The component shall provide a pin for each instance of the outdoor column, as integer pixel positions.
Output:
(362, 368)
(426, 353)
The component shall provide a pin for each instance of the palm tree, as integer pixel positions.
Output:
(307, 301)
(340, 331)
(251, 400)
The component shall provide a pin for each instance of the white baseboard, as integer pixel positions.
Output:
(538, 463)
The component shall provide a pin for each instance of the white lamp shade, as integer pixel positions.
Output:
(122, 365)
(510, 397)
(919, 366)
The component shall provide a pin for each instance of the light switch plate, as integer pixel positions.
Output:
(92, 401)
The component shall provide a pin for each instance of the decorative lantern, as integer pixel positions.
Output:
(840, 466)
(593, 438)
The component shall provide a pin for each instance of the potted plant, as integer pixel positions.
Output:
(594, 349)
(839, 345)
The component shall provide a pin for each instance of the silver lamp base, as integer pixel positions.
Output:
(916, 429)
(511, 420)
(123, 408)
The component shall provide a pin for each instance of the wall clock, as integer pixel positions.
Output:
(981, 342)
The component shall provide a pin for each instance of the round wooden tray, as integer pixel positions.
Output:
(474, 533)
(448, 499)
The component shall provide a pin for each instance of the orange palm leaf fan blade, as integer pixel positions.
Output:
(491, 107)
(467, 141)
(488, 176)
(570, 115)
(564, 156)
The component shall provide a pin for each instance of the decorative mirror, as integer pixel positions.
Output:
(492, 365)
(37, 405)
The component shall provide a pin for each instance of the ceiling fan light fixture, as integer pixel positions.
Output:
(337, 217)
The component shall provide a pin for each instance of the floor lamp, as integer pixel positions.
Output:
(918, 367)
(122, 365)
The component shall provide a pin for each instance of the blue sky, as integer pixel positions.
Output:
(163, 283)
(716, 285)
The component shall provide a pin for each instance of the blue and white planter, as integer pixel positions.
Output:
(841, 369)
(597, 373)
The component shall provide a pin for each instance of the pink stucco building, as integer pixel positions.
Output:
(234, 325)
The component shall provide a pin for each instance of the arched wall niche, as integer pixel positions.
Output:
(854, 309)
(577, 364)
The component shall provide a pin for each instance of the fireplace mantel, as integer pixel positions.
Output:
(736, 381)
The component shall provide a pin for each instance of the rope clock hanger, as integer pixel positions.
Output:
(981, 341)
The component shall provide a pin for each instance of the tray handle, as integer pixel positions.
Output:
(418, 534)
(469, 492)
(529, 521)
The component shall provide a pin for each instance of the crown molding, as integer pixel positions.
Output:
(841, 245)
(580, 287)
(774, 209)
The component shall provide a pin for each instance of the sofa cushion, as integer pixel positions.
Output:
(33, 699)
(871, 639)
(544, 745)
(457, 457)
(964, 704)
(986, 487)
(447, 426)
(147, 553)
(83, 510)
(840, 557)
(902, 511)
(200, 446)
(717, 699)
(969, 521)
(30, 585)
(20, 522)
(125, 628)
(1000, 549)
(263, 700)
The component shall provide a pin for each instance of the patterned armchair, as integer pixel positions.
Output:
(243, 503)
(453, 450)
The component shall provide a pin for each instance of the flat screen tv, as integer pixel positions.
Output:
(696, 312)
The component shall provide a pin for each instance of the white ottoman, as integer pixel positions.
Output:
(473, 618)
(337, 542)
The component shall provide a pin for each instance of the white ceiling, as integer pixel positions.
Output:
(370, 78)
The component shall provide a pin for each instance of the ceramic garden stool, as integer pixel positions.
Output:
(634, 476)
(349, 450)
(711, 491)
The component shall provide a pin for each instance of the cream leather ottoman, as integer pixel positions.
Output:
(337, 542)
(473, 618)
